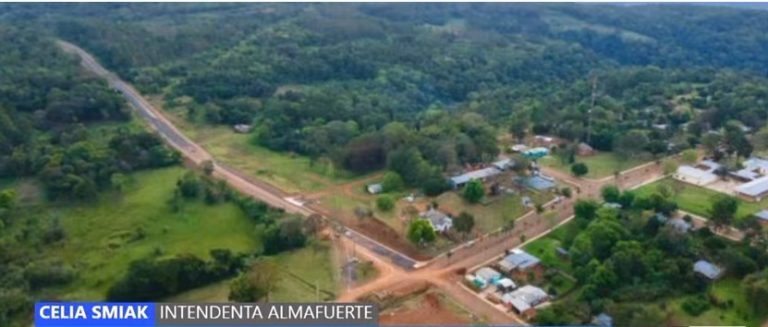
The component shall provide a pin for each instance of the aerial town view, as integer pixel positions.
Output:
(463, 164)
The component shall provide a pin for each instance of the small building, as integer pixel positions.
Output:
(584, 150)
(480, 174)
(518, 260)
(518, 147)
(375, 188)
(242, 128)
(503, 164)
(505, 285)
(754, 168)
(603, 319)
(708, 269)
(536, 153)
(489, 275)
(762, 216)
(755, 190)
(680, 225)
(440, 221)
(702, 173)
(524, 300)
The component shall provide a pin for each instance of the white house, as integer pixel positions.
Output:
(440, 221)
(701, 174)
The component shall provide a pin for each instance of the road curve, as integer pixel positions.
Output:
(195, 153)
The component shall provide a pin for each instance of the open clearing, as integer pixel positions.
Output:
(303, 269)
(290, 172)
(729, 289)
(101, 238)
(697, 200)
(601, 164)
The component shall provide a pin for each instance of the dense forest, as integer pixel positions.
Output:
(361, 84)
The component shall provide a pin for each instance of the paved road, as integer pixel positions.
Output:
(195, 153)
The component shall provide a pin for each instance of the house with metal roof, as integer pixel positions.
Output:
(489, 275)
(505, 285)
(755, 190)
(440, 221)
(518, 260)
(503, 164)
(536, 153)
(524, 299)
(702, 173)
(480, 174)
(708, 269)
(375, 188)
(754, 168)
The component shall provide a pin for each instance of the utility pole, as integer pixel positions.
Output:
(591, 107)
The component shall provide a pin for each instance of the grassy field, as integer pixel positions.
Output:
(740, 314)
(289, 172)
(302, 267)
(306, 269)
(101, 237)
(697, 199)
(602, 164)
(493, 215)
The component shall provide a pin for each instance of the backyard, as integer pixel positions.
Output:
(601, 164)
(696, 199)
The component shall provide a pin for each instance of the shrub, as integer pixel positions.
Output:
(696, 305)
(385, 203)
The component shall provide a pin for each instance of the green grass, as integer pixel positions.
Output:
(545, 247)
(697, 200)
(98, 235)
(289, 172)
(602, 164)
(312, 264)
(305, 268)
(739, 315)
(491, 216)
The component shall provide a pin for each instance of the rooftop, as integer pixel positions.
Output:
(707, 269)
(754, 188)
(525, 297)
(520, 259)
(475, 174)
(487, 273)
(762, 215)
(696, 172)
(754, 168)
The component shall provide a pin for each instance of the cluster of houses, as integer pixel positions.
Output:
(498, 281)
(752, 179)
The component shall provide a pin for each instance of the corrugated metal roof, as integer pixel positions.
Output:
(477, 174)
(756, 187)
